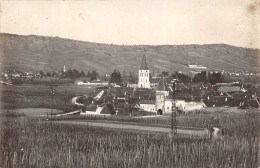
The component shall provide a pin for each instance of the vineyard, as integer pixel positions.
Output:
(27, 142)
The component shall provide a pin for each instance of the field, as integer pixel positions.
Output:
(39, 96)
(33, 142)
(27, 142)
(229, 122)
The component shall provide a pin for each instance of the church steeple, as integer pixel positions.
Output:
(144, 64)
(144, 75)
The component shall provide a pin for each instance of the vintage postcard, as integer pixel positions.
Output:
(130, 83)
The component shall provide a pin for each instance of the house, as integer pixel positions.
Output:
(16, 75)
(117, 93)
(105, 109)
(96, 83)
(148, 105)
(168, 104)
(220, 101)
(108, 109)
(227, 89)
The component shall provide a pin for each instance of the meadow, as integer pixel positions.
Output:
(39, 96)
(29, 142)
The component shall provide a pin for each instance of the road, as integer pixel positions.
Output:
(127, 126)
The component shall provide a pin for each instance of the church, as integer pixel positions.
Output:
(163, 102)
(144, 75)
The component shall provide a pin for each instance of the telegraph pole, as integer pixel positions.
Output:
(52, 93)
(174, 115)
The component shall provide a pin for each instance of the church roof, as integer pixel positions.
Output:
(144, 64)
(162, 85)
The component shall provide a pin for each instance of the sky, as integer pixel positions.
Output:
(134, 22)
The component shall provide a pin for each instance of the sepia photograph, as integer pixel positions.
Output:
(130, 84)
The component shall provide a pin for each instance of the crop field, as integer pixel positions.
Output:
(27, 142)
(39, 96)
(31, 142)
(230, 123)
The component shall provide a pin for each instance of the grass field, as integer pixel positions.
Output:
(230, 123)
(38, 96)
(29, 143)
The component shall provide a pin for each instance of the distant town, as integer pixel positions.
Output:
(158, 93)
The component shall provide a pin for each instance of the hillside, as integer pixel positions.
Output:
(35, 53)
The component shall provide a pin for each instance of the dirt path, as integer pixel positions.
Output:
(185, 131)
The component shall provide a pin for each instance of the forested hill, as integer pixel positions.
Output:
(35, 53)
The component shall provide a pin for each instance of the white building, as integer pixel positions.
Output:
(144, 73)
(148, 105)
(64, 69)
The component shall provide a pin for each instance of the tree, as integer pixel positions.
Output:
(200, 77)
(181, 77)
(215, 78)
(42, 73)
(48, 74)
(165, 73)
(82, 74)
(94, 75)
(88, 74)
(115, 77)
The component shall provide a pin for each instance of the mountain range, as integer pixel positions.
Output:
(35, 53)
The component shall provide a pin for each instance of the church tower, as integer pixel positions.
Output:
(144, 73)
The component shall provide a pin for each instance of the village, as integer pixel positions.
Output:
(130, 84)
(162, 94)
(152, 95)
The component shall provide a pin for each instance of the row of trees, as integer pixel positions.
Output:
(93, 75)
(213, 78)
(71, 74)
(181, 77)
(116, 76)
